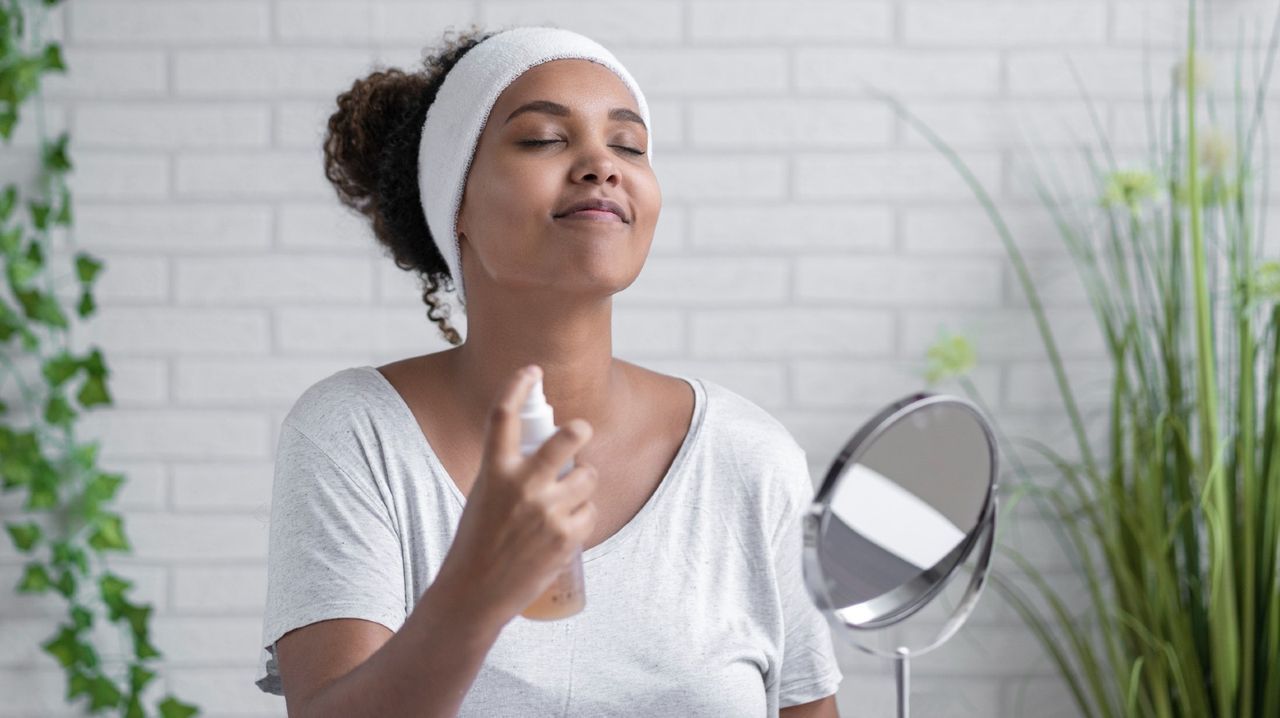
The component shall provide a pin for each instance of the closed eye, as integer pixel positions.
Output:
(539, 143)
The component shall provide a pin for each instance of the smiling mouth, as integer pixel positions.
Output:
(593, 215)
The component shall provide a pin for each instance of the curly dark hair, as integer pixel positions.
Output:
(371, 157)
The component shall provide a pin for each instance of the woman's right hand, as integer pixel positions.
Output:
(521, 526)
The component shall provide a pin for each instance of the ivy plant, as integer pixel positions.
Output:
(66, 525)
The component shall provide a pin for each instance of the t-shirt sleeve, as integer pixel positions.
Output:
(333, 549)
(809, 667)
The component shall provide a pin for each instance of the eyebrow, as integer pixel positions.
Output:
(559, 110)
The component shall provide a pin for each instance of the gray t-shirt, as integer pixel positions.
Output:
(696, 607)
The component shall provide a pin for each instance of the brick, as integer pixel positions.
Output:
(109, 73)
(239, 588)
(224, 486)
(706, 72)
(324, 225)
(690, 281)
(247, 381)
(197, 537)
(731, 227)
(1111, 74)
(612, 24)
(166, 125)
(403, 20)
(891, 175)
(826, 383)
(272, 279)
(242, 175)
(783, 333)
(126, 280)
(646, 333)
(169, 21)
(322, 20)
(278, 73)
(708, 177)
(967, 231)
(806, 21)
(1003, 23)
(941, 73)
(789, 123)
(119, 175)
(358, 332)
(174, 227)
(1005, 333)
(178, 433)
(131, 331)
(899, 282)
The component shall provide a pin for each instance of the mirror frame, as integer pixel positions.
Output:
(895, 605)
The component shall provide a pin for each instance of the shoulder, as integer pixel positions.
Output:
(742, 441)
(333, 409)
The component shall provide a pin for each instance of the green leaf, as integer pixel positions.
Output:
(113, 588)
(34, 579)
(58, 412)
(108, 535)
(87, 267)
(103, 487)
(65, 646)
(143, 649)
(104, 694)
(10, 241)
(139, 677)
(86, 305)
(134, 709)
(63, 218)
(82, 617)
(86, 455)
(24, 536)
(171, 707)
(59, 368)
(8, 120)
(77, 683)
(52, 57)
(39, 214)
(8, 200)
(93, 392)
(137, 616)
(65, 554)
(54, 155)
(66, 584)
(44, 308)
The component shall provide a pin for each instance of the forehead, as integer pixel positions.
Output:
(582, 85)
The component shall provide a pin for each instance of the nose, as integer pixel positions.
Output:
(596, 165)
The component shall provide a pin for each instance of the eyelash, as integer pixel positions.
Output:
(539, 143)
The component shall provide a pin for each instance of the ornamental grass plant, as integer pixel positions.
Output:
(1172, 521)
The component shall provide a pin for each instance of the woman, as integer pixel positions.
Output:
(408, 534)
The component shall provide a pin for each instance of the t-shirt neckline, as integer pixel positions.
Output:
(604, 547)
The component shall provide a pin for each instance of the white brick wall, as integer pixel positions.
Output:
(827, 240)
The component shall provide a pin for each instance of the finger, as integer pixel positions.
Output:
(549, 460)
(502, 432)
(576, 487)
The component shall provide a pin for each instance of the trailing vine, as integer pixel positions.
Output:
(67, 525)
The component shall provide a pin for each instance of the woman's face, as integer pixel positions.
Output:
(533, 161)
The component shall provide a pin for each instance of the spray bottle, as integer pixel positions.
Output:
(567, 595)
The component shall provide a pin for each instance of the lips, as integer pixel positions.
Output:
(593, 208)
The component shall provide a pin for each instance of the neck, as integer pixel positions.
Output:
(571, 342)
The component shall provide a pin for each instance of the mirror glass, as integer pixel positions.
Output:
(903, 505)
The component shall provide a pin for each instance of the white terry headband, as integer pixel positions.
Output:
(461, 108)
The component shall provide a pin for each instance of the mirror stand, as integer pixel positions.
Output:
(902, 672)
(902, 654)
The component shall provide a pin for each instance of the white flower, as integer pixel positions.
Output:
(1216, 149)
(1203, 72)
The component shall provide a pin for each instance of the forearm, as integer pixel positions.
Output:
(425, 669)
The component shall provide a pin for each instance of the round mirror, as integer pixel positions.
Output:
(902, 507)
